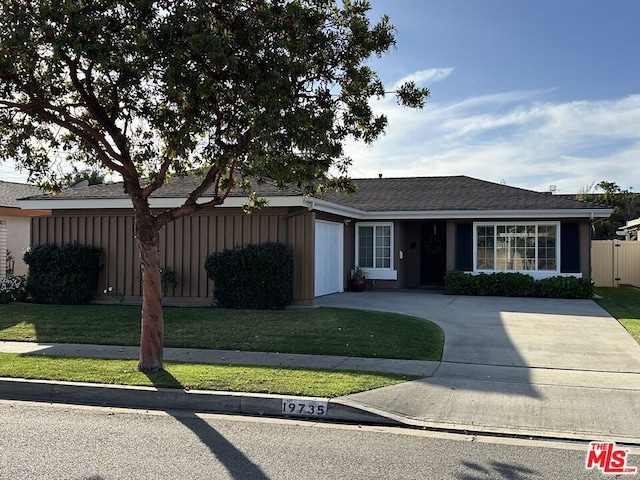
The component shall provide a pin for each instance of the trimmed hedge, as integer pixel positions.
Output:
(254, 277)
(63, 275)
(516, 285)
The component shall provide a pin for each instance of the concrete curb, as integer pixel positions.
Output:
(174, 399)
(253, 404)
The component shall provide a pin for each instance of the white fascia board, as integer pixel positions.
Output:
(125, 203)
(84, 204)
(330, 207)
(480, 214)
(320, 205)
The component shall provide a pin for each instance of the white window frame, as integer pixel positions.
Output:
(534, 273)
(377, 273)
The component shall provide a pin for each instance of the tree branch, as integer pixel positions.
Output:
(190, 206)
(88, 134)
(161, 177)
(94, 106)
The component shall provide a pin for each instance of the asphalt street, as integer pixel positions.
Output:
(42, 441)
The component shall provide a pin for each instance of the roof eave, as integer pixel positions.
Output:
(125, 203)
(321, 206)
(487, 214)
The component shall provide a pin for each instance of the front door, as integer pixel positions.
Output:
(433, 255)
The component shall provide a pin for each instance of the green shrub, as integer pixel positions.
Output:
(503, 284)
(168, 280)
(507, 284)
(253, 277)
(64, 274)
(565, 287)
(460, 283)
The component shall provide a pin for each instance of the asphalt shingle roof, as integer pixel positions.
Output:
(378, 194)
(175, 188)
(448, 193)
(10, 193)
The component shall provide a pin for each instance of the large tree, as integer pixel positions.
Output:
(226, 90)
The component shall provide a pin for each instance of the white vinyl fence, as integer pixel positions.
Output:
(615, 262)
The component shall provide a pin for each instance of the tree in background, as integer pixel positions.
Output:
(232, 92)
(625, 204)
(91, 175)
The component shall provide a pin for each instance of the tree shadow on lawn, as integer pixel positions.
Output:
(236, 462)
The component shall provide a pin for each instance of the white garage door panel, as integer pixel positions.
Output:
(328, 258)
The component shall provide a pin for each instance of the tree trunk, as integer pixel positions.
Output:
(152, 329)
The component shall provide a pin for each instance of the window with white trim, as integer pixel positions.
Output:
(517, 247)
(374, 245)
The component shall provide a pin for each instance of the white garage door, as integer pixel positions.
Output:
(329, 255)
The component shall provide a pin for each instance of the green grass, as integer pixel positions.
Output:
(287, 381)
(623, 303)
(322, 331)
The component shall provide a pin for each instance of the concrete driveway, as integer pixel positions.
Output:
(543, 367)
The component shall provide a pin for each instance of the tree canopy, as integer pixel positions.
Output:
(231, 91)
(625, 204)
(255, 89)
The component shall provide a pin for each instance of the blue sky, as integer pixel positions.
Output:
(527, 93)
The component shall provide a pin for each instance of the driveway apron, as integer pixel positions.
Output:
(542, 367)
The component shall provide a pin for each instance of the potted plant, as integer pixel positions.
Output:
(358, 279)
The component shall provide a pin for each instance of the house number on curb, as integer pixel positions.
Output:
(307, 408)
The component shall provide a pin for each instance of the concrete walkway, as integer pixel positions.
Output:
(533, 367)
(228, 357)
(541, 367)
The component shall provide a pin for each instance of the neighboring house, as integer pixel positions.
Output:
(630, 230)
(404, 232)
(15, 226)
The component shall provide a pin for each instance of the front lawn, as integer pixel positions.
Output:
(321, 331)
(623, 303)
(193, 376)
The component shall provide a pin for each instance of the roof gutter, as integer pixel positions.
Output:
(320, 205)
(490, 214)
(156, 203)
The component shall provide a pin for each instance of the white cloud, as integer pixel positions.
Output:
(519, 137)
(425, 77)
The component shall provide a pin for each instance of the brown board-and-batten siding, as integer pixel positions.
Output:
(184, 245)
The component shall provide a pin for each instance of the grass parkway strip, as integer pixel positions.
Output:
(193, 376)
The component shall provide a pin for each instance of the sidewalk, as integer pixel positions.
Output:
(522, 367)
(206, 401)
(228, 357)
